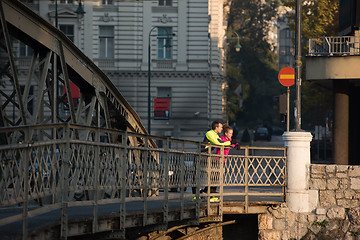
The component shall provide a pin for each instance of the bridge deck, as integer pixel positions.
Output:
(81, 215)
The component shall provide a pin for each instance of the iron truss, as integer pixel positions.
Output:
(39, 92)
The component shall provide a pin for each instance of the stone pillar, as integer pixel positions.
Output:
(298, 197)
(341, 122)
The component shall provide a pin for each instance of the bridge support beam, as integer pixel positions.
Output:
(298, 196)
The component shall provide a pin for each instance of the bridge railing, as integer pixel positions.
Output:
(118, 167)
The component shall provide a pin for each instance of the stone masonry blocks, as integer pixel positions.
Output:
(336, 216)
(355, 183)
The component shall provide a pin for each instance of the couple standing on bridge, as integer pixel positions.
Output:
(212, 137)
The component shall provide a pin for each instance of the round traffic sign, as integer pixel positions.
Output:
(287, 76)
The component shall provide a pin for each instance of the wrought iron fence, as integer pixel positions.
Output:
(61, 172)
(344, 45)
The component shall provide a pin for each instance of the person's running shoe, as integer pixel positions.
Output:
(194, 199)
(214, 199)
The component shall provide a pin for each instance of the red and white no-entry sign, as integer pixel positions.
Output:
(287, 76)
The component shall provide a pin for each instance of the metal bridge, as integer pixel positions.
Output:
(73, 168)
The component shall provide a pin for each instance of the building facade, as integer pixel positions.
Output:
(185, 41)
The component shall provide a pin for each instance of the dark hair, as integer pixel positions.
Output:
(226, 128)
(215, 124)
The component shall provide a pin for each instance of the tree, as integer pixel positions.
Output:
(319, 18)
(255, 66)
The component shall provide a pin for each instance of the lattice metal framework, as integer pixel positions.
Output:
(58, 152)
(60, 173)
(42, 93)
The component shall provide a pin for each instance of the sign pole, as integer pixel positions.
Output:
(288, 109)
(287, 78)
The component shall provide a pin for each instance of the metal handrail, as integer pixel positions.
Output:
(98, 173)
(329, 46)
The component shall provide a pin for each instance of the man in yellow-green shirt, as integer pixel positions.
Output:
(212, 137)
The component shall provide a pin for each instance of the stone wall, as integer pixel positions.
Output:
(336, 215)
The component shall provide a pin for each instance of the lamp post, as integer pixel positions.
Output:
(149, 75)
(149, 80)
(56, 15)
(237, 45)
(298, 66)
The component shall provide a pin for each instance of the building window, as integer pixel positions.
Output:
(164, 42)
(164, 92)
(25, 50)
(68, 30)
(285, 47)
(106, 42)
(165, 2)
(106, 2)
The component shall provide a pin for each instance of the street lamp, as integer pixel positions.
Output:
(237, 45)
(167, 46)
(80, 10)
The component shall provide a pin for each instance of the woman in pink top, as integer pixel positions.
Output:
(228, 133)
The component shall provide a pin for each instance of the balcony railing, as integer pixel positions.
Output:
(345, 45)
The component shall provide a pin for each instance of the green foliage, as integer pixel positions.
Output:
(318, 18)
(355, 234)
(321, 224)
(254, 67)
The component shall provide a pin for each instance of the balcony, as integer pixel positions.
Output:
(330, 46)
(333, 58)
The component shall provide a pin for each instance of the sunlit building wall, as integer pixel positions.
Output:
(186, 59)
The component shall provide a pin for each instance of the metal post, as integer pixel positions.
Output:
(221, 180)
(123, 167)
(149, 80)
(298, 66)
(197, 182)
(246, 179)
(166, 185)
(56, 14)
(208, 180)
(26, 185)
(96, 173)
(182, 180)
(145, 180)
(64, 184)
(288, 109)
